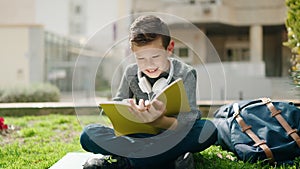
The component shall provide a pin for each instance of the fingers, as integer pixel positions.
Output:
(136, 111)
(141, 105)
(140, 117)
(157, 109)
(158, 105)
(134, 106)
(147, 104)
(146, 111)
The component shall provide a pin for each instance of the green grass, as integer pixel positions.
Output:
(40, 141)
(214, 157)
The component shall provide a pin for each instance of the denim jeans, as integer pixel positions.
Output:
(149, 151)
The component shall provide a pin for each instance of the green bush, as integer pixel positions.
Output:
(31, 93)
(293, 27)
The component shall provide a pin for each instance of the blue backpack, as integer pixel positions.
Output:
(260, 130)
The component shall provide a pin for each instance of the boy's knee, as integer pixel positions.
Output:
(207, 130)
(84, 140)
(210, 124)
(85, 137)
(205, 124)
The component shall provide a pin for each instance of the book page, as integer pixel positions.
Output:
(124, 122)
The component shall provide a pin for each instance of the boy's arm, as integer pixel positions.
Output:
(165, 122)
(124, 91)
(190, 85)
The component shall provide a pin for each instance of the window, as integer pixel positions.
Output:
(77, 10)
(237, 51)
(183, 52)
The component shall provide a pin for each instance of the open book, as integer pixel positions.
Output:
(173, 96)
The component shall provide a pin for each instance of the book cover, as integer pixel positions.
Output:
(124, 122)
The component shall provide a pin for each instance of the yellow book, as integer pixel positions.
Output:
(173, 96)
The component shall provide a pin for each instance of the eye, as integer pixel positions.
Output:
(140, 58)
(155, 56)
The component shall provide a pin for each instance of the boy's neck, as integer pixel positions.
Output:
(153, 80)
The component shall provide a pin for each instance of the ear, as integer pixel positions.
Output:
(170, 47)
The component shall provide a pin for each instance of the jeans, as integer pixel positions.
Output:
(149, 151)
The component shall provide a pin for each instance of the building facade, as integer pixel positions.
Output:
(247, 36)
(21, 44)
(237, 46)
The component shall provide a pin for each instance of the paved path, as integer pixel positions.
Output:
(73, 160)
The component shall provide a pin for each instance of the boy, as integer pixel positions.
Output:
(152, 46)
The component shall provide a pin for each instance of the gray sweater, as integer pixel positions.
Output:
(129, 87)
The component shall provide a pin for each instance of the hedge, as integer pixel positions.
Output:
(31, 93)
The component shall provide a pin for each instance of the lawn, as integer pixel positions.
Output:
(40, 141)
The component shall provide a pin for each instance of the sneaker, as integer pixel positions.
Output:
(107, 162)
(185, 161)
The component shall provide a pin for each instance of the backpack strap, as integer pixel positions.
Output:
(277, 114)
(247, 129)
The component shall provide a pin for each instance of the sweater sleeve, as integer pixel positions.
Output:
(124, 91)
(190, 84)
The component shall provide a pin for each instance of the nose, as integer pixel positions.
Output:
(148, 63)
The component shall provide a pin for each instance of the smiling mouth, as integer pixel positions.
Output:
(152, 70)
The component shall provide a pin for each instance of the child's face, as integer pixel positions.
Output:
(152, 59)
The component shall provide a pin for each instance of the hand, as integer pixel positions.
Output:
(146, 112)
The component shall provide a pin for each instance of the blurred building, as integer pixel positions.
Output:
(247, 36)
(19, 37)
(42, 40)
